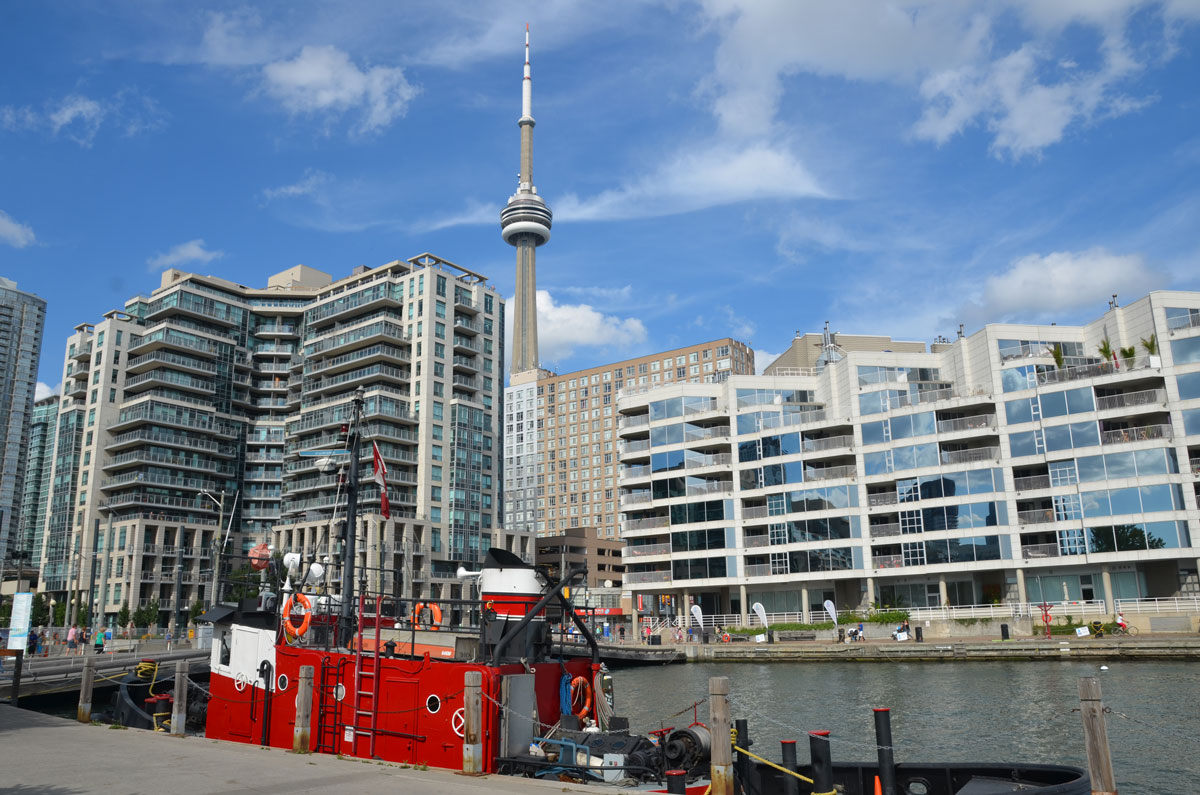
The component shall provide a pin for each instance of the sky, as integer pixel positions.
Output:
(749, 168)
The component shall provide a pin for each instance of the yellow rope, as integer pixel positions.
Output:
(780, 768)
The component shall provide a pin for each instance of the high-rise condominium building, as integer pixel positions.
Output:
(36, 497)
(22, 317)
(560, 465)
(185, 415)
(1016, 465)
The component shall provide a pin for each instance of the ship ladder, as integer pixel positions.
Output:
(365, 721)
(328, 725)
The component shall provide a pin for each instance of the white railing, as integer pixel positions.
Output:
(1035, 551)
(973, 454)
(635, 498)
(753, 542)
(826, 443)
(716, 459)
(758, 570)
(794, 372)
(1139, 434)
(645, 549)
(634, 421)
(1058, 610)
(1170, 604)
(978, 422)
(1083, 371)
(634, 577)
(887, 561)
(636, 471)
(645, 524)
(829, 473)
(1148, 397)
(1032, 482)
(885, 530)
(755, 512)
(887, 498)
(1037, 516)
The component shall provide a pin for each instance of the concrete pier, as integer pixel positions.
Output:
(43, 753)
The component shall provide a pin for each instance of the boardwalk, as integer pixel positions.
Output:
(53, 756)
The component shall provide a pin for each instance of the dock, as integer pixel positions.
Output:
(42, 676)
(1181, 648)
(43, 753)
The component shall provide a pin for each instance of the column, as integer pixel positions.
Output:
(870, 591)
(804, 605)
(1022, 594)
(943, 593)
(1106, 579)
(745, 608)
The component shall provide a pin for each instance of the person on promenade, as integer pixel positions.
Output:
(621, 633)
(98, 640)
(1121, 621)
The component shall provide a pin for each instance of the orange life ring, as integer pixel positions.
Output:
(725, 638)
(435, 612)
(581, 687)
(290, 628)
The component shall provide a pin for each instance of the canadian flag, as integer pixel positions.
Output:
(381, 479)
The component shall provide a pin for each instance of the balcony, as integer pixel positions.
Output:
(636, 498)
(636, 471)
(887, 561)
(754, 542)
(1083, 371)
(159, 358)
(650, 523)
(1038, 516)
(1142, 433)
(637, 577)
(465, 345)
(633, 421)
(83, 353)
(826, 443)
(975, 423)
(463, 323)
(757, 569)
(468, 363)
(700, 434)
(641, 550)
(276, 329)
(466, 382)
(464, 304)
(885, 530)
(635, 447)
(970, 456)
(1032, 482)
(755, 512)
(887, 498)
(1036, 551)
(711, 460)
(1147, 397)
(830, 473)
(159, 500)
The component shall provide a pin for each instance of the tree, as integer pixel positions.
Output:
(60, 614)
(123, 615)
(1106, 350)
(40, 615)
(196, 610)
(82, 615)
(1059, 358)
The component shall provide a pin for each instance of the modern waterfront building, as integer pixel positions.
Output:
(22, 317)
(560, 466)
(36, 497)
(185, 416)
(1017, 465)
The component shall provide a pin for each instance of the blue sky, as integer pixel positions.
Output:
(716, 167)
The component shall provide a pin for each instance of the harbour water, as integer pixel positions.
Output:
(966, 712)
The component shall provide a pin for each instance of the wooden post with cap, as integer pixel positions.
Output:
(721, 774)
(1095, 736)
(472, 723)
(301, 733)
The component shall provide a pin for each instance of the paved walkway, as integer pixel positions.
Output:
(53, 756)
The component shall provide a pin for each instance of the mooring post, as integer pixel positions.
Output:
(84, 713)
(791, 784)
(302, 730)
(676, 782)
(1095, 736)
(721, 774)
(18, 660)
(472, 722)
(887, 757)
(822, 763)
(179, 708)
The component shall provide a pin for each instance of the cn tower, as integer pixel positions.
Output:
(525, 223)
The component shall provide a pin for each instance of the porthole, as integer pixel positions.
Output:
(282, 682)
(433, 704)
(339, 692)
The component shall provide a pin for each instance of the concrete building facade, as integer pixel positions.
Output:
(184, 417)
(1016, 465)
(560, 434)
(22, 318)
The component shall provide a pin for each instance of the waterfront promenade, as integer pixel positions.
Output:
(55, 756)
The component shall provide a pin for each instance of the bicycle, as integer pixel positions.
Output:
(1130, 630)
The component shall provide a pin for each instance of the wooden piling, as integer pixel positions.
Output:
(472, 724)
(1095, 736)
(301, 734)
(84, 713)
(179, 708)
(18, 659)
(721, 774)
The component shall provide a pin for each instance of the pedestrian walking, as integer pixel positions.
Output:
(621, 633)
(72, 639)
(98, 640)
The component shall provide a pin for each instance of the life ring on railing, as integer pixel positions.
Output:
(725, 638)
(289, 627)
(435, 614)
(581, 690)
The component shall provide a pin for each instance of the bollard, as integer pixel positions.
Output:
(721, 774)
(472, 720)
(1095, 736)
(301, 732)
(791, 784)
(822, 765)
(84, 713)
(18, 660)
(887, 757)
(179, 710)
(676, 782)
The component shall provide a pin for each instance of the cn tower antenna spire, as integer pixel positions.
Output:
(525, 223)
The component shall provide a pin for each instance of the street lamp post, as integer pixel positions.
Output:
(215, 592)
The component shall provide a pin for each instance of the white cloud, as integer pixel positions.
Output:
(961, 59)
(80, 118)
(182, 254)
(740, 328)
(611, 295)
(476, 213)
(323, 80)
(15, 233)
(44, 390)
(696, 179)
(762, 359)
(312, 181)
(564, 328)
(1052, 286)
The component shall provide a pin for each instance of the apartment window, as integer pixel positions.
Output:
(441, 286)
(488, 304)
(437, 413)
(116, 357)
(439, 309)
(439, 369)
(439, 350)
(723, 350)
(100, 339)
(118, 342)
(693, 357)
(112, 395)
(439, 330)
(95, 395)
(708, 354)
(435, 473)
(438, 389)
(92, 412)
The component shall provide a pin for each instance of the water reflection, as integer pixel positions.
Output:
(982, 711)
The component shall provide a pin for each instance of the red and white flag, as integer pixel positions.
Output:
(381, 479)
